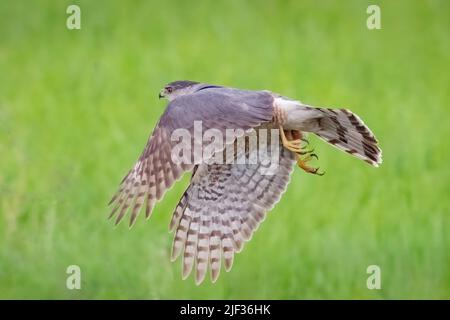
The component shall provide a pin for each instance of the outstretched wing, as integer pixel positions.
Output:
(155, 172)
(148, 180)
(220, 210)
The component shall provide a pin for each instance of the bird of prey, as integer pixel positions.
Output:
(225, 202)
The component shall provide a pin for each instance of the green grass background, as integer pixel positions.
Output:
(76, 108)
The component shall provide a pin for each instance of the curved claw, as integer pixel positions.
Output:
(292, 142)
(316, 171)
(309, 151)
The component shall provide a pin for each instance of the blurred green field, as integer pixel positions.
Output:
(76, 108)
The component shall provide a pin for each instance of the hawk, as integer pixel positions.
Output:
(225, 203)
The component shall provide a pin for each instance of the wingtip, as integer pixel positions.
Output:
(133, 220)
(228, 263)
(198, 281)
(174, 254)
(112, 200)
(118, 219)
(214, 275)
(200, 275)
(185, 272)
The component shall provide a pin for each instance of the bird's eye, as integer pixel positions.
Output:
(169, 89)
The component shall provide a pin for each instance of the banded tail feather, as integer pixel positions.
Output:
(346, 131)
(339, 127)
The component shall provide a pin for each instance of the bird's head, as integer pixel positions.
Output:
(178, 88)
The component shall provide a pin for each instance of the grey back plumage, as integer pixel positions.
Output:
(233, 107)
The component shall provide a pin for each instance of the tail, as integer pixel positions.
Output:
(346, 131)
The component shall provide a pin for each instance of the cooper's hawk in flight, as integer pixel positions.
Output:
(224, 203)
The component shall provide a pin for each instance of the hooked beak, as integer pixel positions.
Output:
(162, 94)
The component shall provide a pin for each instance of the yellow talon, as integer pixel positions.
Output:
(302, 163)
(294, 145)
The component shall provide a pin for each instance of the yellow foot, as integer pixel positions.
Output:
(302, 163)
(292, 141)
